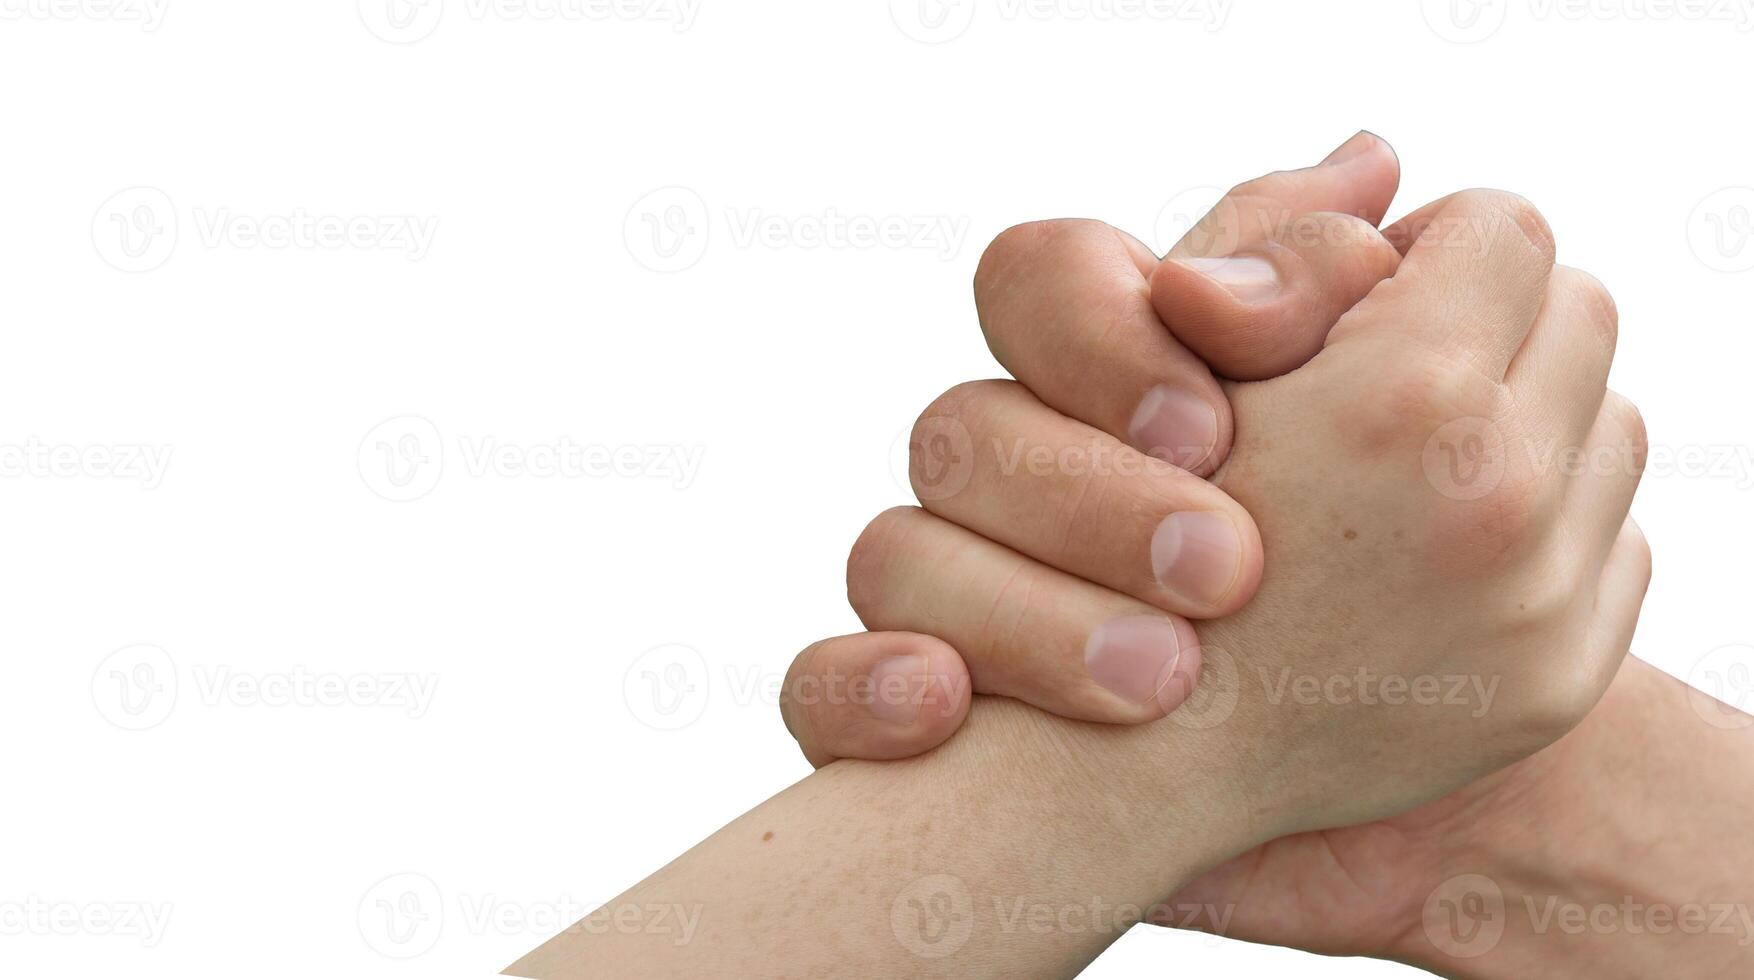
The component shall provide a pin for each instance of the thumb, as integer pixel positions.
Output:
(1255, 286)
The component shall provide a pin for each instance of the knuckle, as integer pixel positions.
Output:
(1494, 532)
(869, 558)
(1425, 394)
(1496, 209)
(942, 456)
(1019, 244)
(795, 693)
(1629, 422)
(1331, 230)
(1593, 298)
(1269, 191)
(1640, 546)
(963, 402)
(1542, 601)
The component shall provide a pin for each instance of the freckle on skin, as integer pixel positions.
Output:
(767, 837)
(1351, 534)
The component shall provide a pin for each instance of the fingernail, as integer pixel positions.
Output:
(1196, 554)
(897, 686)
(1353, 148)
(1174, 425)
(1248, 277)
(1134, 656)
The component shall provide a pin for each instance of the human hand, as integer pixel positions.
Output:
(1380, 559)
(1076, 310)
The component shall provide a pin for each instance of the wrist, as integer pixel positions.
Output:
(1165, 798)
(1510, 922)
(1615, 853)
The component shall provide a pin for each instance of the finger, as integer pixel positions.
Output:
(1232, 300)
(1066, 309)
(1561, 372)
(1024, 630)
(1620, 596)
(1358, 178)
(1266, 310)
(1079, 500)
(1607, 473)
(1059, 303)
(874, 696)
(1479, 260)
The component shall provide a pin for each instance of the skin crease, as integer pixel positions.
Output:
(1367, 565)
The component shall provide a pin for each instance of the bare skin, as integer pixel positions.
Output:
(1642, 810)
(1654, 761)
(883, 863)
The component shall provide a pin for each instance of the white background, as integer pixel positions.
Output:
(536, 311)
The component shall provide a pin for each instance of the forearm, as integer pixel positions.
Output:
(1635, 862)
(1024, 846)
